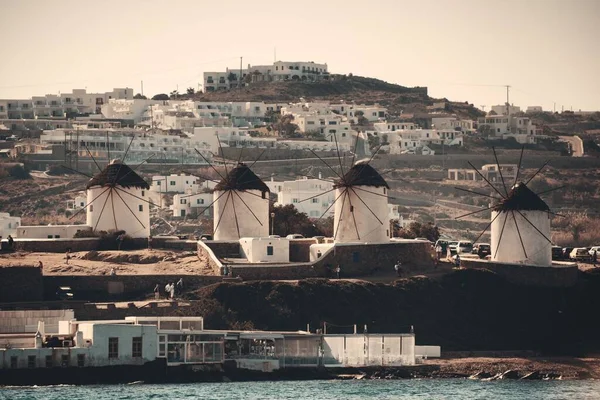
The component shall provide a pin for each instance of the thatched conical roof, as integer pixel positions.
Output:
(118, 173)
(362, 174)
(522, 198)
(242, 178)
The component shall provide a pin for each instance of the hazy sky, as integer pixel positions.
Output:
(548, 50)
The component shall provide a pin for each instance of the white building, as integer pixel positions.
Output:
(175, 183)
(278, 71)
(265, 249)
(462, 125)
(8, 224)
(78, 203)
(308, 195)
(117, 200)
(489, 171)
(192, 203)
(409, 141)
(50, 231)
(505, 126)
(505, 109)
(534, 109)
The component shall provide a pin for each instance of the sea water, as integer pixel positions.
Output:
(321, 390)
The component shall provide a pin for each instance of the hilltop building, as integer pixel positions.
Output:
(8, 224)
(58, 106)
(278, 71)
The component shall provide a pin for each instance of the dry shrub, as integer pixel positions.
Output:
(576, 229)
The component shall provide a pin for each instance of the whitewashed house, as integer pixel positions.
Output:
(8, 224)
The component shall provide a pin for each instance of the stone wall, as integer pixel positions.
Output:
(269, 272)
(300, 249)
(361, 260)
(21, 283)
(559, 276)
(57, 245)
(120, 287)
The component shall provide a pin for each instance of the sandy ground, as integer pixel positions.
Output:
(565, 367)
(138, 262)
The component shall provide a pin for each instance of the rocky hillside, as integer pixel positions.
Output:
(464, 310)
(341, 87)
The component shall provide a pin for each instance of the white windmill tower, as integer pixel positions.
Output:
(117, 200)
(241, 205)
(520, 220)
(361, 206)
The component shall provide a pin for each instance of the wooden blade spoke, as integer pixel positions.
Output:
(318, 195)
(501, 234)
(519, 166)
(222, 212)
(486, 228)
(345, 192)
(485, 179)
(365, 204)
(479, 193)
(519, 232)
(249, 209)
(500, 171)
(537, 172)
(130, 210)
(90, 203)
(534, 227)
(102, 210)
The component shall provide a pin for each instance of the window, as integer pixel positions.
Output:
(49, 236)
(295, 201)
(141, 207)
(48, 361)
(182, 201)
(315, 200)
(91, 207)
(64, 360)
(269, 250)
(332, 122)
(136, 346)
(81, 360)
(14, 361)
(113, 347)
(172, 183)
(31, 362)
(56, 236)
(143, 193)
(199, 201)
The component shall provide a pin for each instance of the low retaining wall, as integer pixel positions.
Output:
(270, 272)
(361, 259)
(57, 245)
(531, 275)
(120, 287)
(21, 283)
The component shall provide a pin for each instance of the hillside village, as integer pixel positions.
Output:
(287, 110)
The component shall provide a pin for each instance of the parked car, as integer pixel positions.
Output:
(443, 244)
(557, 253)
(482, 249)
(64, 293)
(294, 236)
(566, 252)
(596, 249)
(464, 246)
(579, 254)
(452, 247)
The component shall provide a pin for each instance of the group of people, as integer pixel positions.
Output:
(169, 289)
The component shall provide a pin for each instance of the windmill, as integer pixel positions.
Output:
(117, 198)
(361, 201)
(520, 221)
(241, 202)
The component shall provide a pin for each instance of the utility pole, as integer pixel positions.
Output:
(507, 100)
(142, 88)
(240, 77)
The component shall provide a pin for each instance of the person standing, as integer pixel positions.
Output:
(457, 260)
(11, 242)
(438, 252)
(120, 239)
(68, 255)
(156, 292)
(150, 242)
(113, 272)
(180, 284)
(594, 257)
(398, 268)
(338, 270)
(172, 286)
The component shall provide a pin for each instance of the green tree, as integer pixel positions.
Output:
(373, 141)
(140, 97)
(190, 91)
(289, 220)
(161, 96)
